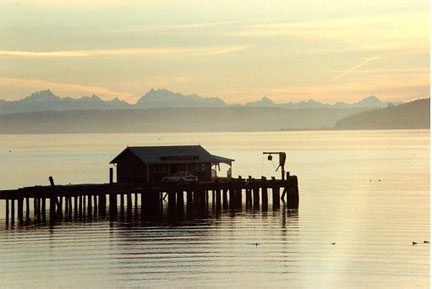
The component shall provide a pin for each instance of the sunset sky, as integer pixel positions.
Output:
(240, 51)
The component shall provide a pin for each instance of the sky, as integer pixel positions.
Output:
(239, 51)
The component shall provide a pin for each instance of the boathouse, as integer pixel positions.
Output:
(149, 164)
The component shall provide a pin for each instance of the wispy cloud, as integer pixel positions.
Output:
(184, 26)
(355, 67)
(174, 51)
(408, 31)
(62, 88)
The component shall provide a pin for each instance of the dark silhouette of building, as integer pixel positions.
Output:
(150, 164)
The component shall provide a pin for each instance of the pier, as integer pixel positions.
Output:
(82, 201)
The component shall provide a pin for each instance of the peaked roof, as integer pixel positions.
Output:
(173, 154)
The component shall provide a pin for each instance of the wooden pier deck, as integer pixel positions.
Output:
(74, 201)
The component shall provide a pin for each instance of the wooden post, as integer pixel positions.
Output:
(264, 195)
(171, 202)
(189, 199)
(218, 199)
(143, 205)
(129, 204)
(256, 197)
(293, 193)
(180, 199)
(81, 205)
(38, 209)
(102, 204)
(275, 194)
(53, 204)
(121, 205)
(136, 205)
(75, 206)
(60, 207)
(89, 206)
(20, 210)
(113, 205)
(248, 198)
(7, 212)
(43, 209)
(95, 205)
(12, 211)
(66, 206)
(51, 181)
(180, 202)
(27, 209)
(225, 198)
(35, 200)
(231, 197)
(286, 186)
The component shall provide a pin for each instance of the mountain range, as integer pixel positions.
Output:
(47, 101)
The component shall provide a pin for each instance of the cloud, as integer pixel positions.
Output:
(175, 26)
(62, 88)
(175, 51)
(407, 31)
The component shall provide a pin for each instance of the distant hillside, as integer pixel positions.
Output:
(412, 115)
(172, 120)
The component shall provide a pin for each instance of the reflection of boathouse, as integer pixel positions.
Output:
(150, 164)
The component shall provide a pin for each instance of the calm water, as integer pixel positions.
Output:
(368, 191)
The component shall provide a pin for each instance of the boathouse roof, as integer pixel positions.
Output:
(173, 154)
